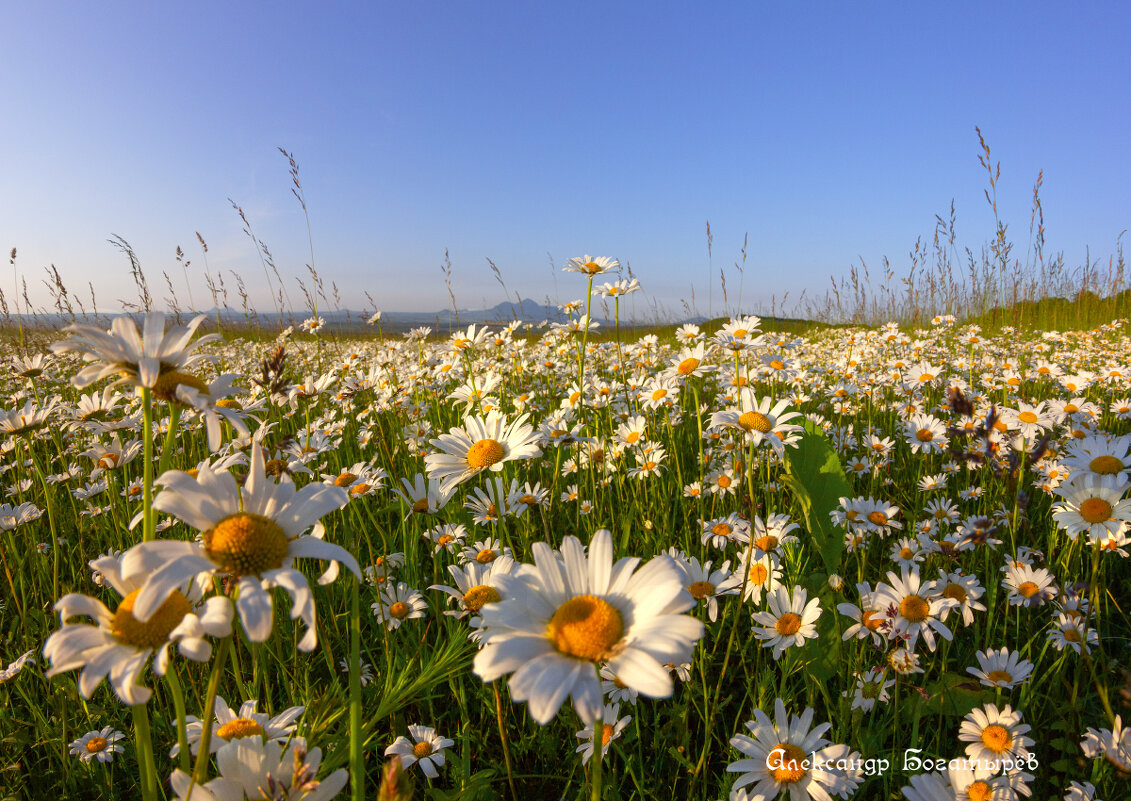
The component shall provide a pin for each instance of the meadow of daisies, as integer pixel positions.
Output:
(528, 562)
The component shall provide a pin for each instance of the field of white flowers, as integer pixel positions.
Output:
(869, 563)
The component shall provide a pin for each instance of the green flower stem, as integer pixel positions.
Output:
(143, 742)
(148, 522)
(170, 438)
(201, 765)
(357, 763)
(179, 708)
(598, 754)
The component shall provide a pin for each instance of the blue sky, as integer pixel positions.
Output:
(529, 133)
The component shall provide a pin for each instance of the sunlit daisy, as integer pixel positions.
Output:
(100, 745)
(994, 735)
(481, 444)
(567, 614)
(252, 533)
(426, 749)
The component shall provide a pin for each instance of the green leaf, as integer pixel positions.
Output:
(816, 478)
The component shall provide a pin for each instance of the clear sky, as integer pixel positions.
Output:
(528, 133)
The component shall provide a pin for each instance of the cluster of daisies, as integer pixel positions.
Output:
(982, 480)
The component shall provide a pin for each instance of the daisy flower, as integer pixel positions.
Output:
(690, 362)
(474, 585)
(397, 604)
(964, 591)
(120, 643)
(707, 586)
(1095, 504)
(870, 688)
(567, 614)
(423, 495)
(610, 730)
(781, 754)
(13, 669)
(913, 608)
(1071, 632)
(591, 265)
(1001, 668)
(150, 358)
(789, 621)
(484, 551)
(100, 745)
(760, 421)
(994, 735)
(481, 444)
(763, 575)
(926, 434)
(229, 725)
(426, 748)
(1112, 744)
(1029, 587)
(252, 533)
(250, 766)
(615, 689)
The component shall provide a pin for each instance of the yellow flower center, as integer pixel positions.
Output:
(906, 553)
(421, 506)
(1095, 510)
(956, 592)
(755, 421)
(95, 744)
(399, 610)
(766, 543)
(687, 366)
(871, 620)
(659, 394)
(246, 544)
(591, 267)
(723, 481)
(701, 589)
(997, 738)
(585, 627)
(786, 760)
(606, 734)
(359, 489)
(721, 529)
(166, 387)
(238, 729)
(1028, 589)
(924, 435)
(486, 556)
(1027, 417)
(229, 403)
(879, 518)
(1071, 408)
(154, 633)
(777, 364)
(759, 574)
(914, 609)
(485, 453)
(275, 467)
(1071, 634)
(109, 461)
(739, 333)
(788, 624)
(480, 594)
(999, 677)
(421, 750)
(1106, 465)
(979, 791)
(345, 479)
